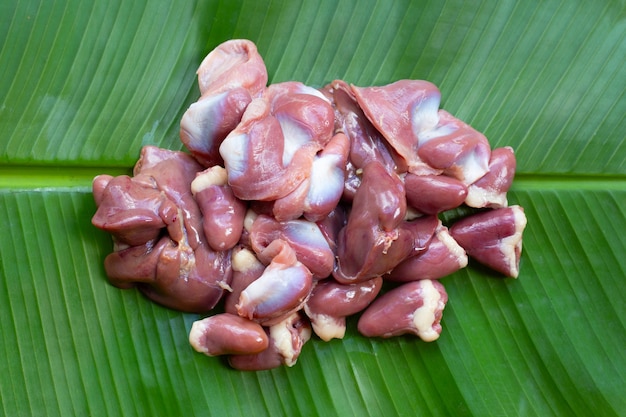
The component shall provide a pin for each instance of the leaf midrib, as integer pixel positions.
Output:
(23, 177)
(27, 177)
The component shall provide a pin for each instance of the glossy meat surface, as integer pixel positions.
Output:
(271, 152)
(229, 78)
(170, 260)
(377, 237)
(402, 111)
(298, 206)
(493, 237)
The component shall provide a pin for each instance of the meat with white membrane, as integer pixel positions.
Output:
(229, 77)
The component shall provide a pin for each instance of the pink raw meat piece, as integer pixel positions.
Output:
(171, 274)
(272, 150)
(227, 334)
(229, 78)
(402, 111)
(173, 172)
(412, 308)
(443, 257)
(490, 190)
(281, 289)
(232, 64)
(176, 269)
(208, 121)
(303, 236)
(456, 148)
(377, 237)
(366, 142)
(331, 302)
(222, 212)
(331, 225)
(321, 191)
(493, 238)
(133, 211)
(432, 194)
(286, 340)
(246, 268)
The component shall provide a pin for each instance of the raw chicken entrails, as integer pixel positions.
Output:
(297, 205)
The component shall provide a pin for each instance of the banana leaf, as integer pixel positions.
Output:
(84, 85)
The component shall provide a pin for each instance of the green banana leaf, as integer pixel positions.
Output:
(83, 85)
